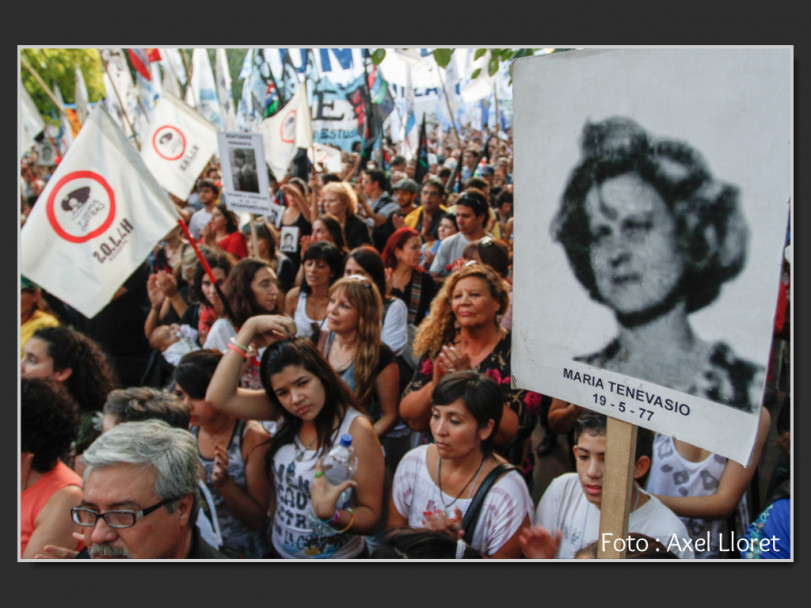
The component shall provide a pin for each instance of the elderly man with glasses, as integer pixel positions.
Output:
(140, 495)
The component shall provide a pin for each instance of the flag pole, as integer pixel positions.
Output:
(106, 65)
(42, 84)
(188, 76)
(206, 267)
(448, 103)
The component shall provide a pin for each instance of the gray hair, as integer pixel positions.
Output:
(170, 452)
(145, 403)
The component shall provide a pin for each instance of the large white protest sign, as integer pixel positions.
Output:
(653, 190)
(97, 219)
(244, 173)
(286, 131)
(178, 145)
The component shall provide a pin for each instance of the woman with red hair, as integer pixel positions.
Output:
(409, 281)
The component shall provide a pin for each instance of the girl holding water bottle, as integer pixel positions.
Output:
(314, 409)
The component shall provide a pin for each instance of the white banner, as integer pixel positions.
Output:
(223, 77)
(325, 158)
(244, 172)
(648, 246)
(97, 219)
(205, 89)
(290, 128)
(178, 145)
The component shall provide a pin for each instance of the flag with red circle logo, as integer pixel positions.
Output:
(97, 219)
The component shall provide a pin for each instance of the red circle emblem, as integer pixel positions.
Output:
(56, 221)
(287, 128)
(169, 148)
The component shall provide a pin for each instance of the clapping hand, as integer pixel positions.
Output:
(538, 543)
(439, 522)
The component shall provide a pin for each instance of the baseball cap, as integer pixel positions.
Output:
(409, 185)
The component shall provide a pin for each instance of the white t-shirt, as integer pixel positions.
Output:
(506, 505)
(394, 333)
(564, 507)
(450, 250)
(292, 536)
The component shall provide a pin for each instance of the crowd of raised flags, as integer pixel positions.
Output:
(319, 100)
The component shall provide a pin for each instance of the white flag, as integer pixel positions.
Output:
(31, 122)
(170, 84)
(223, 77)
(97, 219)
(205, 89)
(290, 128)
(178, 146)
(119, 88)
(67, 133)
(81, 98)
(327, 156)
(173, 62)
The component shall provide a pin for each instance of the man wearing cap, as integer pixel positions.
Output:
(33, 313)
(425, 218)
(405, 193)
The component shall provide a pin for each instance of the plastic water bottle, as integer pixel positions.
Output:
(339, 465)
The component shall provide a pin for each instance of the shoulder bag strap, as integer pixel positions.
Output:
(472, 514)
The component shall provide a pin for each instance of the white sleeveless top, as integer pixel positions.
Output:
(672, 475)
(292, 536)
(304, 324)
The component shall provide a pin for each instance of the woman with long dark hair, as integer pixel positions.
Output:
(313, 408)
(222, 234)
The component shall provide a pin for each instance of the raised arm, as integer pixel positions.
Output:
(223, 391)
(731, 487)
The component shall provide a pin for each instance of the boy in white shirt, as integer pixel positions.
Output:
(568, 515)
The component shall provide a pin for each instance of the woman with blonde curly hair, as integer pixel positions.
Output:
(355, 351)
(462, 331)
(342, 202)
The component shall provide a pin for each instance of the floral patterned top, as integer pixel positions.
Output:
(526, 404)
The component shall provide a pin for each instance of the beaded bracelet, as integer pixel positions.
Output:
(351, 521)
(236, 349)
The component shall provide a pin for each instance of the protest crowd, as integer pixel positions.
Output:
(191, 417)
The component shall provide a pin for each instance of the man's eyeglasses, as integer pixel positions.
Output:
(120, 518)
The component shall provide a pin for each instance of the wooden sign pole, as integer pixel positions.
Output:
(254, 242)
(618, 479)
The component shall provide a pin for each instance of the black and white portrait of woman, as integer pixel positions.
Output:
(653, 235)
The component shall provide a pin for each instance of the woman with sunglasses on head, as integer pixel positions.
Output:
(314, 408)
(307, 304)
(435, 484)
(354, 349)
(366, 261)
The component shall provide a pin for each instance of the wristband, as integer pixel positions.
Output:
(236, 349)
(351, 521)
(237, 344)
(329, 521)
